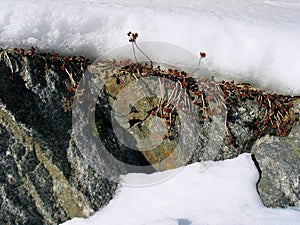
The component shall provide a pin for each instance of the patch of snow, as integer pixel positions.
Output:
(225, 193)
(255, 41)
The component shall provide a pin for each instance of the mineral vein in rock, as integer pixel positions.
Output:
(71, 200)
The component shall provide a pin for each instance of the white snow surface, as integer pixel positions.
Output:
(255, 41)
(224, 193)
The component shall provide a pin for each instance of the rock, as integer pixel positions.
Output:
(279, 162)
(251, 115)
(166, 137)
(64, 141)
(43, 177)
(225, 121)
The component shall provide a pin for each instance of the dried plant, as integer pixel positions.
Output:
(277, 118)
(202, 55)
(132, 38)
(72, 66)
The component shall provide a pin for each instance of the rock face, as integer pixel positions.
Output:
(45, 177)
(279, 161)
(231, 116)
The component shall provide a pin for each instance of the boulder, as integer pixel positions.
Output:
(43, 177)
(278, 159)
(212, 120)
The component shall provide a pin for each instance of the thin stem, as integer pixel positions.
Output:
(143, 53)
(133, 49)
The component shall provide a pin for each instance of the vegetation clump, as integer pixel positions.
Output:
(40, 63)
(274, 116)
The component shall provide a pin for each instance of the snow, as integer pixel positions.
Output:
(252, 40)
(255, 41)
(224, 193)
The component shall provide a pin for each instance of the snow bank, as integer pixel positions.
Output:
(252, 40)
(224, 193)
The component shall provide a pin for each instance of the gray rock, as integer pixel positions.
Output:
(279, 161)
(43, 177)
(280, 165)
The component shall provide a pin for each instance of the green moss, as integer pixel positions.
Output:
(100, 128)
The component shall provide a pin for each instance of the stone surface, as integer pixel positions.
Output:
(279, 161)
(163, 146)
(43, 177)
(248, 119)
(228, 129)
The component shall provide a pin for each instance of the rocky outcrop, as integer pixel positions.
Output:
(53, 119)
(230, 116)
(279, 162)
(43, 177)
